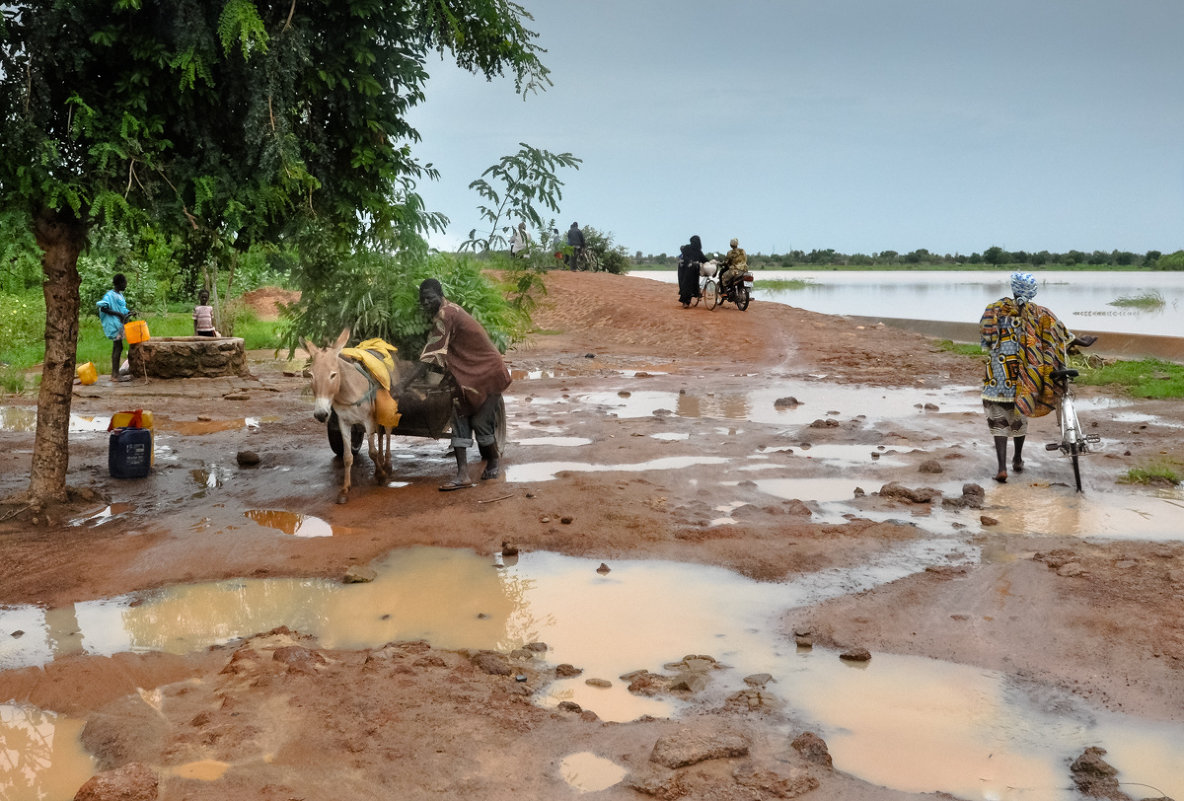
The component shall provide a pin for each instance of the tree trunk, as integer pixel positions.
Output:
(61, 236)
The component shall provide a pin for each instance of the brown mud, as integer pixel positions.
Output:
(1097, 617)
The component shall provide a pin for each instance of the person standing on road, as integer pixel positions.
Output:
(691, 256)
(575, 240)
(1024, 342)
(113, 313)
(519, 240)
(461, 347)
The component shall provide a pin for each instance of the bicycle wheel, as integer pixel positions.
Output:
(1075, 453)
(710, 294)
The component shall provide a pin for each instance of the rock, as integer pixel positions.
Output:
(830, 422)
(132, 782)
(782, 403)
(773, 783)
(988, 521)
(298, 658)
(797, 508)
(569, 706)
(694, 744)
(856, 655)
(248, 458)
(689, 682)
(1071, 569)
(604, 569)
(509, 549)
(758, 680)
(492, 663)
(813, 749)
(896, 490)
(930, 466)
(605, 683)
(566, 520)
(537, 647)
(566, 671)
(1095, 777)
(357, 574)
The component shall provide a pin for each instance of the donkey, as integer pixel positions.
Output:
(341, 386)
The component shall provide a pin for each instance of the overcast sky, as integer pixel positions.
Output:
(858, 125)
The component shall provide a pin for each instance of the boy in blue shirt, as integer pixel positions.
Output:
(113, 313)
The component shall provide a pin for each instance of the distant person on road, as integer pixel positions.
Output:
(203, 316)
(1024, 342)
(735, 263)
(461, 347)
(113, 313)
(575, 240)
(691, 256)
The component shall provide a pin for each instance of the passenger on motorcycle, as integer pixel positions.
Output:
(735, 264)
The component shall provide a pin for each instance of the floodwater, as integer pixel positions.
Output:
(909, 723)
(1083, 300)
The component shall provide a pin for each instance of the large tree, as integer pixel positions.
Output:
(229, 121)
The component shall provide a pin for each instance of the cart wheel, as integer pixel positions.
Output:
(356, 434)
(499, 428)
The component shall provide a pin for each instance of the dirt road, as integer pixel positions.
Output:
(757, 442)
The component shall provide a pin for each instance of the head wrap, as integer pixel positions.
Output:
(1023, 287)
(735, 243)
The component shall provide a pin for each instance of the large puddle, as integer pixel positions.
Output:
(914, 724)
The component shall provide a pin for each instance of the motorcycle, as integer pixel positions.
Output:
(715, 291)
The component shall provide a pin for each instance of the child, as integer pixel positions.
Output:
(113, 313)
(203, 316)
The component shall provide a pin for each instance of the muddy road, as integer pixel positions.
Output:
(694, 527)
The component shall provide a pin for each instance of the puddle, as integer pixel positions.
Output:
(1040, 509)
(104, 515)
(562, 442)
(589, 773)
(297, 525)
(815, 401)
(41, 755)
(913, 724)
(818, 489)
(191, 428)
(671, 436)
(206, 770)
(212, 476)
(546, 471)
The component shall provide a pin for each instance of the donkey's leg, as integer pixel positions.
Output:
(347, 459)
(375, 454)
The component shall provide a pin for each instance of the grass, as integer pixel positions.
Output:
(1148, 378)
(1148, 300)
(959, 347)
(1155, 473)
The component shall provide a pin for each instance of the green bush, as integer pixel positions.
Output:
(1149, 378)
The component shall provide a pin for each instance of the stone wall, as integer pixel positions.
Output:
(189, 357)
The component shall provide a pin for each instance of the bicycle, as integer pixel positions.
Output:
(709, 289)
(1073, 441)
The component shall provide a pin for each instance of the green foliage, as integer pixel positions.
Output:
(1156, 473)
(20, 258)
(516, 184)
(606, 256)
(785, 284)
(1149, 378)
(22, 321)
(960, 348)
(12, 380)
(1148, 300)
(377, 295)
(1172, 261)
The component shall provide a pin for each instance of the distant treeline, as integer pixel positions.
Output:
(992, 257)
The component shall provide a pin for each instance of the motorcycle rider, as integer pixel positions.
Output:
(735, 264)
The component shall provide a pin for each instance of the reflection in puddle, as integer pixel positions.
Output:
(545, 471)
(963, 730)
(41, 755)
(104, 515)
(292, 523)
(590, 773)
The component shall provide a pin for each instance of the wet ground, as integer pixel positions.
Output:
(663, 505)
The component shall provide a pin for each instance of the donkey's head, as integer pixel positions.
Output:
(326, 374)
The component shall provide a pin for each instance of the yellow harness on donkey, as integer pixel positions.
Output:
(375, 359)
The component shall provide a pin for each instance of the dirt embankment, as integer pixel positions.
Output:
(408, 720)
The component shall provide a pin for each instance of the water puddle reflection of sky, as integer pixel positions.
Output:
(914, 724)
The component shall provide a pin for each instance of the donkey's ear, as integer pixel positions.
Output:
(342, 338)
(308, 346)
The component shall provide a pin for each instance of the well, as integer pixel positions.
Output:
(188, 357)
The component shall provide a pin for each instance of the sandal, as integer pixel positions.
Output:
(455, 485)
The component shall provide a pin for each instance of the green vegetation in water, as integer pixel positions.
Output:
(962, 348)
(1159, 472)
(776, 284)
(1148, 300)
(1148, 378)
